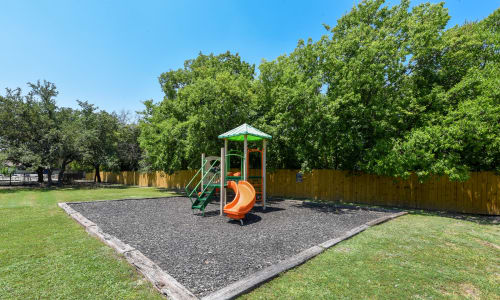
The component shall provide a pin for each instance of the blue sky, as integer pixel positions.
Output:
(111, 53)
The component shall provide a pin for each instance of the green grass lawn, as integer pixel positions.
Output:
(46, 254)
(417, 256)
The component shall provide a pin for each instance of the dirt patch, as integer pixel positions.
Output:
(451, 245)
(343, 249)
(469, 291)
(488, 244)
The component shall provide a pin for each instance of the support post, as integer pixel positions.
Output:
(226, 169)
(225, 151)
(222, 180)
(245, 155)
(202, 169)
(264, 175)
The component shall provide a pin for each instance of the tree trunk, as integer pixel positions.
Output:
(97, 174)
(10, 179)
(61, 172)
(61, 176)
(49, 176)
(39, 171)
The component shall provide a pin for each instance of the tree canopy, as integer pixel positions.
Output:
(210, 95)
(38, 135)
(387, 90)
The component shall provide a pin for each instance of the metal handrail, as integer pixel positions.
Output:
(209, 182)
(187, 185)
(202, 178)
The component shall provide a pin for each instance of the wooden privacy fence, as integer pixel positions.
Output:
(178, 180)
(479, 195)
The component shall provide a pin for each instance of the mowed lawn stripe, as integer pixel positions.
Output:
(45, 254)
(417, 256)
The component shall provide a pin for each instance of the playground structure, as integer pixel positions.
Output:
(215, 175)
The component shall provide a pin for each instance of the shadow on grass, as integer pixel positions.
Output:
(479, 219)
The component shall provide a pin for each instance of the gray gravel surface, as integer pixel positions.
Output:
(208, 253)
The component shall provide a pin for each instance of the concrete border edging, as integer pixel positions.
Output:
(163, 282)
(167, 285)
(254, 280)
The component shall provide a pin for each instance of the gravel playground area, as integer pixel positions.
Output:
(208, 253)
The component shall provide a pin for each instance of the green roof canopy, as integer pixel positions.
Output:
(238, 134)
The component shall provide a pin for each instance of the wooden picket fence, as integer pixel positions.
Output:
(479, 195)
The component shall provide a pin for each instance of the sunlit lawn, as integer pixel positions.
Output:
(45, 254)
(417, 256)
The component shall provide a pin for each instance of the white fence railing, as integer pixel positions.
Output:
(27, 177)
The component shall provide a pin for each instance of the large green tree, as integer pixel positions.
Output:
(33, 137)
(16, 131)
(69, 133)
(210, 95)
(36, 134)
(368, 61)
(97, 140)
(45, 127)
(291, 107)
(388, 90)
(455, 127)
(128, 150)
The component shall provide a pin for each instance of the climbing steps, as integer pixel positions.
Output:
(208, 180)
(204, 198)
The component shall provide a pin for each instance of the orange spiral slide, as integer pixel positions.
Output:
(242, 202)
